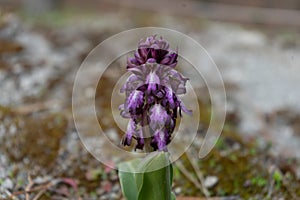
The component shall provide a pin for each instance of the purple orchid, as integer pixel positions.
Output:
(152, 90)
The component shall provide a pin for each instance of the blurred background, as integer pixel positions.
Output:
(255, 44)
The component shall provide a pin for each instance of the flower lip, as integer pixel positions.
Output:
(135, 102)
(131, 129)
(160, 140)
(158, 117)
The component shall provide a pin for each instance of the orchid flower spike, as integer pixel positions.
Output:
(152, 90)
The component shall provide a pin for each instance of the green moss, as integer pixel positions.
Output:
(278, 179)
(220, 143)
(20, 182)
(258, 181)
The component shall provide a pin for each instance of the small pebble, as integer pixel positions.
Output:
(247, 183)
(298, 173)
(114, 196)
(7, 184)
(177, 190)
(115, 188)
(210, 181)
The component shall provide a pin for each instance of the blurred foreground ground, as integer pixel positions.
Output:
(257, 156)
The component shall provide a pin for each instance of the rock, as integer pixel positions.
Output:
(210, 181)
(298, 173)
(178, 190)
(7, 184)
(114, 196)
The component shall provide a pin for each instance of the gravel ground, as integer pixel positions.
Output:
(40, 148)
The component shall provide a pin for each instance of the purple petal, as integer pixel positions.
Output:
(169, 98)
(158, 53)
(132, 62)
(166, 60)
(131, 129)
(139, 57)
(137, 71)
(177, 82)
(184, 109)
(170, 60)
(135, 101)
(123, 112)
(132, 83)
(121, 107)
(141, 71)
(173, 65)
(143, 53)
(151, 60)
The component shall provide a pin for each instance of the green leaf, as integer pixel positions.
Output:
(128, 179)
(156, 181)
(173, 197)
